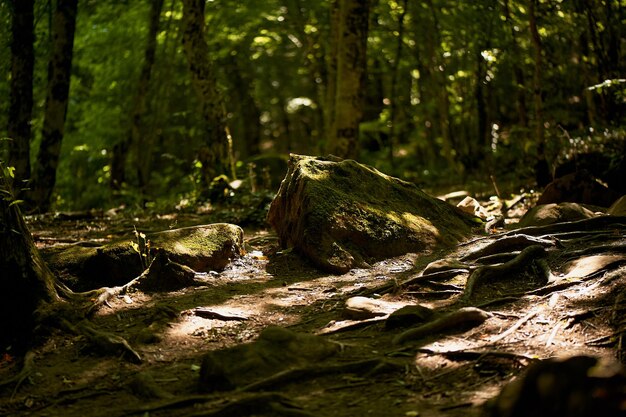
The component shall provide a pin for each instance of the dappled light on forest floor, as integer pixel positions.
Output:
(449, 365)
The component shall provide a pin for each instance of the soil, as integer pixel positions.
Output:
(449, 373)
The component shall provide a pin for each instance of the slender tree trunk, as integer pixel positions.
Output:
(250, 115)
(476, 152)
(27, 283)
(442, 98)
(331, 73)
(59, 71)
(215, 155)
(542, 171)
(21, 94)
(134, 135)
(517, 70)
(393, 140)
(351, 77)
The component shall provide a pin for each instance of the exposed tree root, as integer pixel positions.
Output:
(28, 367)
(463, 317)
(593, 223)
(508, 244)
(104, 342)
(237, 404)
(367, 366)
(491, 273)
(434, 276)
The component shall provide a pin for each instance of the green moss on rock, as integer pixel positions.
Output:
(344, 214)
(202, 248)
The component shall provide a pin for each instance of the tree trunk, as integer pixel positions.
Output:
(21, 95)
(542, 171)
(249, 112)
(59, 71)
(442, 99)
(27, 283)
(134, 136)
(351, 75)
(517, 70)
(331, 73)
(215, 155)
(394, 83)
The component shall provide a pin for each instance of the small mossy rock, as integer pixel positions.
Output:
(342, 214)
(276, 349)
(578, 187)
(201, 248)
(545, 214)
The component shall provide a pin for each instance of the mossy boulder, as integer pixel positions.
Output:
(202, 248)
(341, 214)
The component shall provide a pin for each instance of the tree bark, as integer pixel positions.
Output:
(351, 77)
(249, 112)
(517, 70)
(215, 155)
(59, 71)
(542, 171)
(331, 72)
(134, 136)
(27, 283)
(393, 133)
(21, 94)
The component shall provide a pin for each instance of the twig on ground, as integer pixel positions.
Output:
(516, 326)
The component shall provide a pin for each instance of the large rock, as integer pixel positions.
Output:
(577, 386)
(341, 214)
(578, 187)
(202, 248)
(544, 214)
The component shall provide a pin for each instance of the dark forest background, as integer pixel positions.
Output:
(163, 96)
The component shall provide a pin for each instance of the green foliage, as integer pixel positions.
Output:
(463, 71)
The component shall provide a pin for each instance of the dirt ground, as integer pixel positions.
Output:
(451, 372)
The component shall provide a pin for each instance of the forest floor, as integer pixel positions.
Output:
(446, 373)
